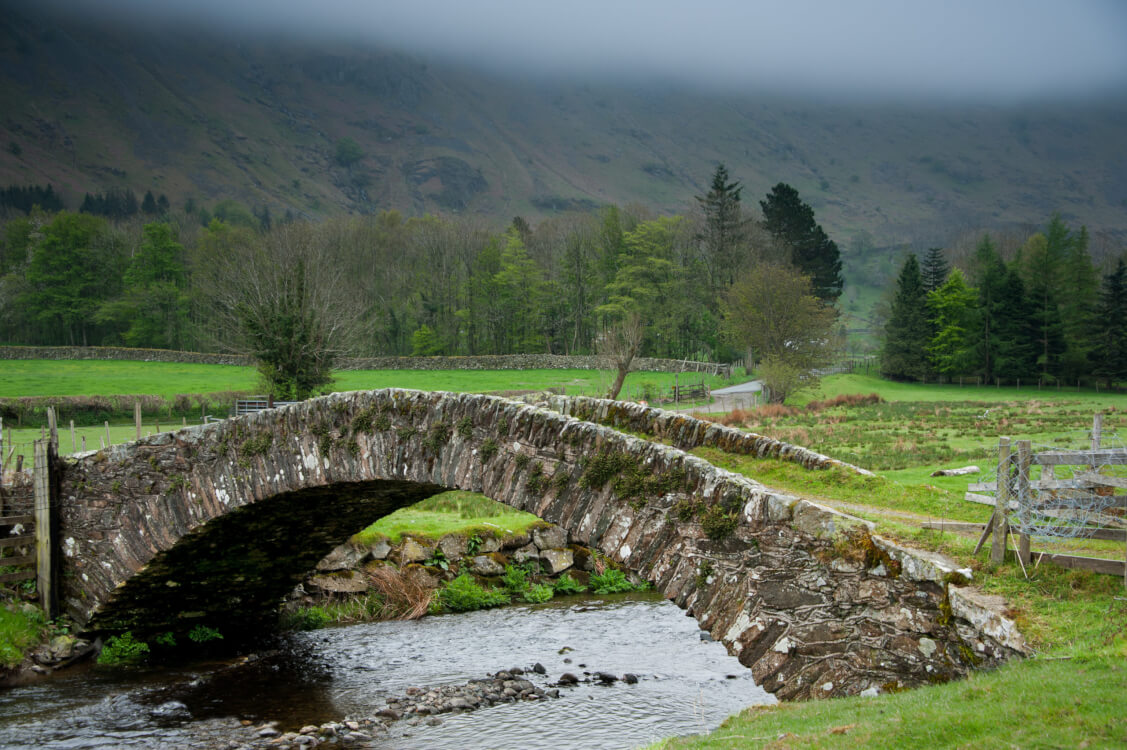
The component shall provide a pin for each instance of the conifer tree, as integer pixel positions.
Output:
(907, 331)
(952, 308)
(934, 269)
(722, 233)
(791, 222)
(1108, 353)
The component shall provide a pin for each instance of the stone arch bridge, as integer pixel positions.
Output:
(216, 523)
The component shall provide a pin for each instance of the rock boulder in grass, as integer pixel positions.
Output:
(343, 557)
(549, 537)
(453, 546)
(411, 551)
(485, 565)
(556, 560)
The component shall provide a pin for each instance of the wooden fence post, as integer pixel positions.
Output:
(44, 527)
(1024, 496)
(73, 439)
(108, 443)
(137, 417)
(53, 425)
(1001, 500)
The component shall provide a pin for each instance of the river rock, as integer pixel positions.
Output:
(549, 537)
(527, 552)
(557, 560)
(513, 541)
(489, 543)
(345, 582)
(485, 565)
(453, 546)
(411, 551)
(343, 557)
(583, 559)
(567, 678)
(62, 647)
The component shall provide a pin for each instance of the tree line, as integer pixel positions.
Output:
(1047, 315)
(386, 284)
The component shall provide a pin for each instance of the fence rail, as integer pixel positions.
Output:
(1086, 504)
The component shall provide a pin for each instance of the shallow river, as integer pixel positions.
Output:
(685, 685)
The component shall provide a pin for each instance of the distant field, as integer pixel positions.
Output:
(836, 385)
(95, 377)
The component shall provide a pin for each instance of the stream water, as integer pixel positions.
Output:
(685, 685)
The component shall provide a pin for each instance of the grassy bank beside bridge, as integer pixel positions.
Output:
(1071, 693)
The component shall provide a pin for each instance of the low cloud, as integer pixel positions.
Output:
(884, 48)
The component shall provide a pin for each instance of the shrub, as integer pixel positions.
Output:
(718, 523)
(204, 634)
(538, 593)
(566, 585)
(123, 649)
(515, 579)
(165, 640)
(463, 594)
(611, 582)
(306, 618)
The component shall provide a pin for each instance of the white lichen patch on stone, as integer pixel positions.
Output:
(927, 647)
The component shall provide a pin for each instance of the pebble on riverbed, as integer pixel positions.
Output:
(416, 706)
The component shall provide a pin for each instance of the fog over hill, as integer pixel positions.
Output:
(211, 111)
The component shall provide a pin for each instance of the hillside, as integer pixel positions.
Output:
(198, 115)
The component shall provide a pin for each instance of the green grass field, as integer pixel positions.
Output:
(1071, 693)
(167, 379)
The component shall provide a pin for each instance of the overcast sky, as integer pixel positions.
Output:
(1007, 49)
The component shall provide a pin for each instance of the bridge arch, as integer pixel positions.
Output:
(218, 522)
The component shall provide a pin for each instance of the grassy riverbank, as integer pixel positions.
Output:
(1071, 692)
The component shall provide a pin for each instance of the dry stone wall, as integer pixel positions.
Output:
(687, 432)
(217, 523)
(484, 362)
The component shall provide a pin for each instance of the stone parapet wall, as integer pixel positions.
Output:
(686, 433)
(483, 362)
(121, 353)
(218, 522)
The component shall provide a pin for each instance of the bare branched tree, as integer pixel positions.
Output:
(281, 299)
(619, 343)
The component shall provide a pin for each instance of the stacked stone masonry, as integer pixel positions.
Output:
(686, 433)
(217, 523)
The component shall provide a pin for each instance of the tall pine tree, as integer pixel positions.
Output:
(721, 236)
(1108, 353)
(791, 223)
(934, 269)
(907, 331)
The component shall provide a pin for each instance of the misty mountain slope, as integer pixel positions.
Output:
(201, 115)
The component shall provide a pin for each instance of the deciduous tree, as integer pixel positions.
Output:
(774, 311)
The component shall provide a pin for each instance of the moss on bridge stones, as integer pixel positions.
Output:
(777, 577)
